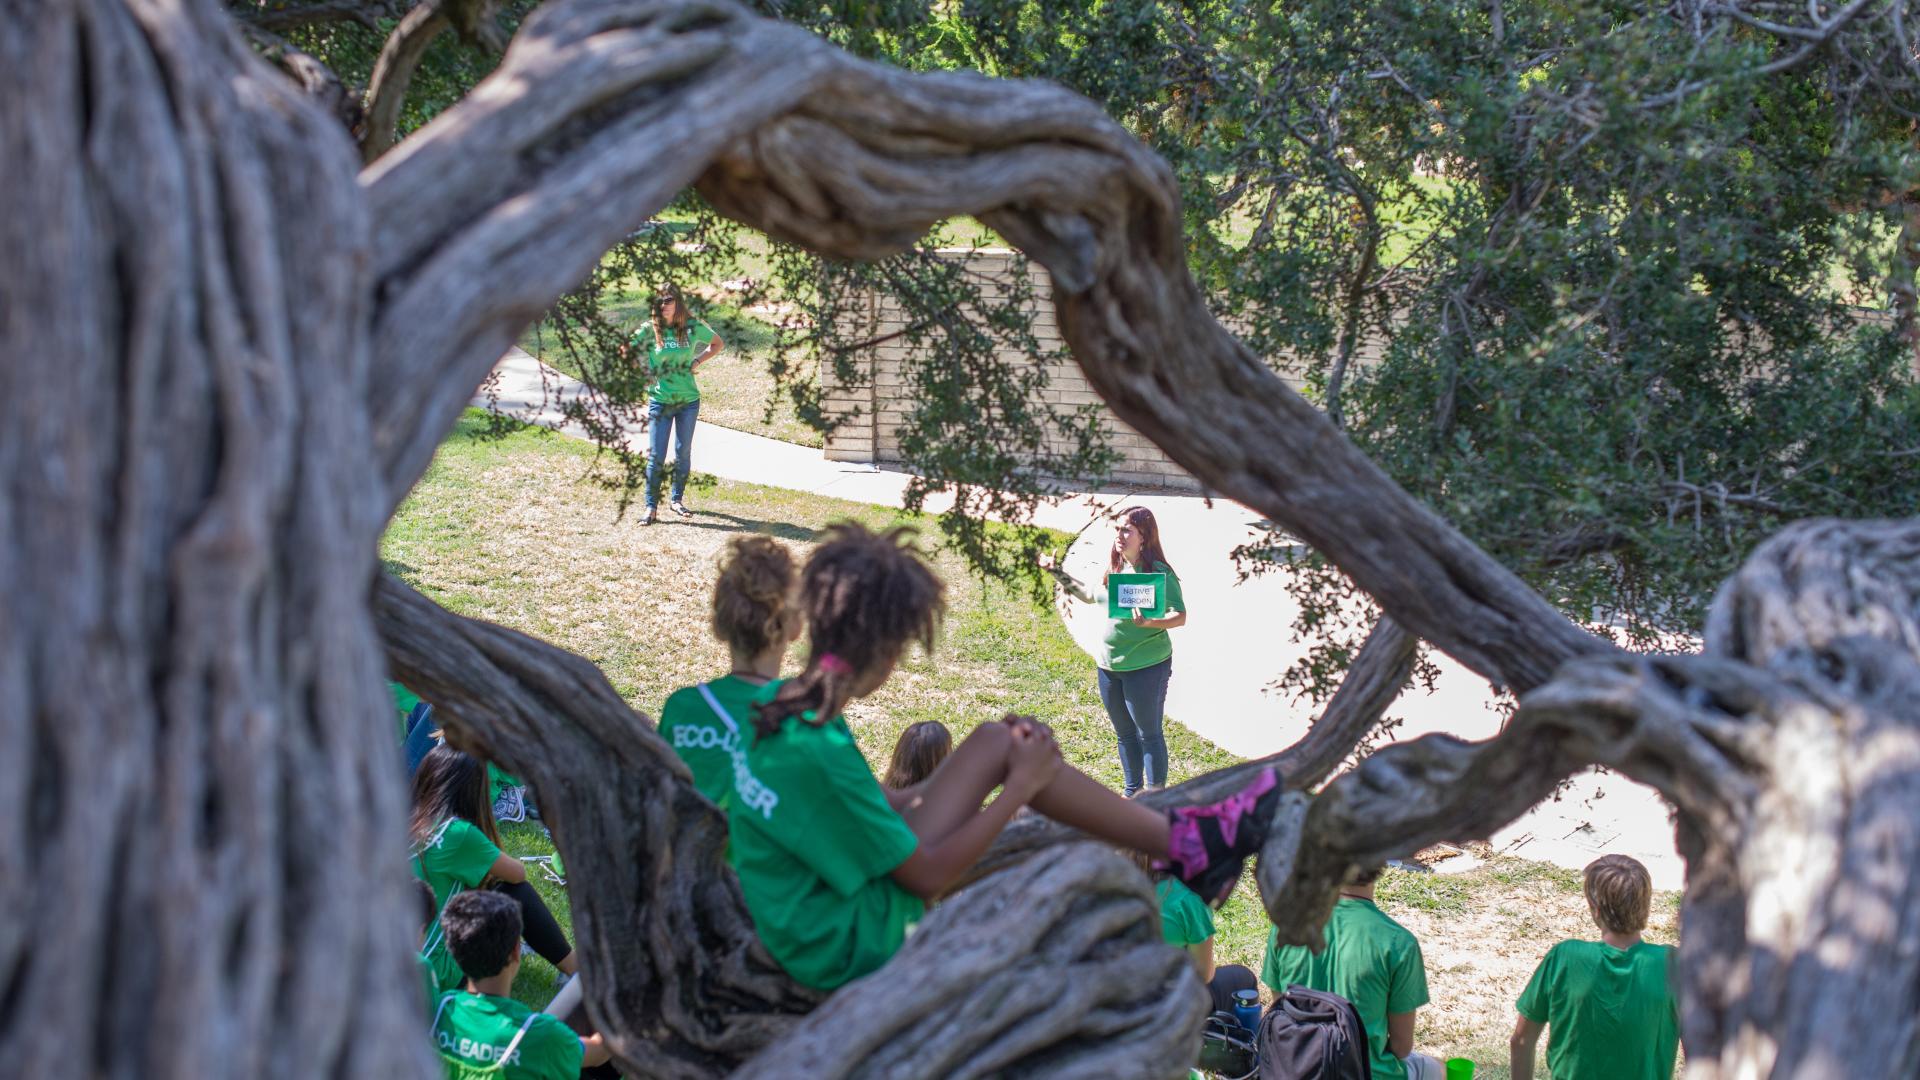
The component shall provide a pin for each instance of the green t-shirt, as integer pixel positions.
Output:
(430, 982)
(475, 1036)
(1129, 647)
(815, 867)
(1610, 1013)
(1370, 960)
(456, 857)
(712, 745)
(671, 361)
(1184, 918)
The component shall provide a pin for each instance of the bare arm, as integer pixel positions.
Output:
(596, 1052)
(1202, 954)
(1521, 1046)
(1067, 581)
(712, 350)
(1400, 1033)
(508, 869)
(1173, 619)
(934, 866)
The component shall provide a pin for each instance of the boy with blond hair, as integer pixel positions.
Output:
(1608, 1002)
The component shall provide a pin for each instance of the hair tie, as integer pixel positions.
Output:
(833, 665)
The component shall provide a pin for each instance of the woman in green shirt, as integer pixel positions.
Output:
(456, 846)
(757, 613)
(836, 868)
(1136, 659)
(675, 351)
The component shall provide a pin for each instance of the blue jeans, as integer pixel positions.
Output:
(420, 740)
(1136, 703)
(679, 420)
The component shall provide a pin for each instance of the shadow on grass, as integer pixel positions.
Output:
(782, 530)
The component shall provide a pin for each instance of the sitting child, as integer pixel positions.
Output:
(757, 614)
(834, 869)
(1187, 923)
(917, 753)
(1373, 962)
(456, 846)
(479, 1029)
(1608, 1001)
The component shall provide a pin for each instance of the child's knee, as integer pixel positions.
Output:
(993, 738)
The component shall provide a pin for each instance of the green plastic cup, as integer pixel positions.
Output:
(1459, 1069)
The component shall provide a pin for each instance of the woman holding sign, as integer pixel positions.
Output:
(1136, 658)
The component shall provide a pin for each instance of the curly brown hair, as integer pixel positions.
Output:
(867, 597)
(750, 597)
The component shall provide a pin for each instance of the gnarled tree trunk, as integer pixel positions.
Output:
(203, 870)
(246, 357)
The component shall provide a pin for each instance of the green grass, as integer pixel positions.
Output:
(514, 530)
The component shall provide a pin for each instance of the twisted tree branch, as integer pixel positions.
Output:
(676, 977)
(490, 212)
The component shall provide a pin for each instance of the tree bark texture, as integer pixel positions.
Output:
(675, 972)
(249, 357)
(203, 873)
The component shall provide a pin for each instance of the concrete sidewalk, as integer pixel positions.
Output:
(1237, 640)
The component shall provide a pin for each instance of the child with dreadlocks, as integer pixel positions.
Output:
(835, 868)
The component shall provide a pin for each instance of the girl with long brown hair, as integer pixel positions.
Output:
(834, 867)
(1136, 657)
(456, 847)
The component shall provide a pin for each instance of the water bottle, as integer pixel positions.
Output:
(1246, 1009)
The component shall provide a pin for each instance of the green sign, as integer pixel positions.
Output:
(1144, 594)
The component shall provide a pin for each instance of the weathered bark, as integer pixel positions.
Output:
(202, 875)
(477, 22)
(1790, 754)
(194, 489)
(1055, 969)
(677, 979)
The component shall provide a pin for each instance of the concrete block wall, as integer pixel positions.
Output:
(881, 405)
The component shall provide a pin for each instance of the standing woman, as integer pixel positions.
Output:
(679, 346)
(1136, 657)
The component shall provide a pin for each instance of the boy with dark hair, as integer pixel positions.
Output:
(481, 1030)
(1374, 963)
(1608, 1001)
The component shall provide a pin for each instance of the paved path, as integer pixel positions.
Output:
(1237, 640)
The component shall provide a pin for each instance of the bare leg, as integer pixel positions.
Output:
(979, 764)
(1076, 799)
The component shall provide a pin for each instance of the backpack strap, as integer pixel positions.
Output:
(507, 1054)
(706, 693)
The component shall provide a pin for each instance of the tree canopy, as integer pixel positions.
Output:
(1604, 285)
(256, 345)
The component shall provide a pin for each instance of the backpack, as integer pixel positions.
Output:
(1312, 1035)
(1226, 1049)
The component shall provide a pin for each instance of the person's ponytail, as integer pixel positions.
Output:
(816, 695)
(867, 596)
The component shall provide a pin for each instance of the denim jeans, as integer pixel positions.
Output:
(677, 419)
(1136, 703)
(420, 740)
